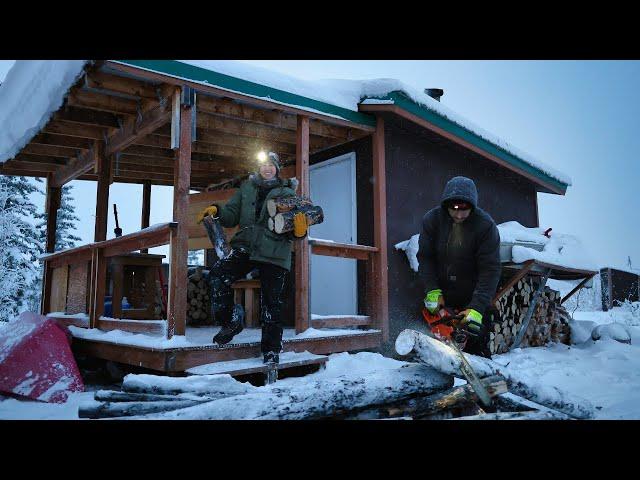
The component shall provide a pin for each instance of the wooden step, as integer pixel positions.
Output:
(339, 321)
(255, 365)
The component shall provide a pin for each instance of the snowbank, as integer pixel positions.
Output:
(30, 93)
(560, 249)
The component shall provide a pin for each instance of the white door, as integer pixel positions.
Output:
(334, 280)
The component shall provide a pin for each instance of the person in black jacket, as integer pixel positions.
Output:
(459, 255)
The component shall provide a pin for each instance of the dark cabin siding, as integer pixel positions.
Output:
(418, 165)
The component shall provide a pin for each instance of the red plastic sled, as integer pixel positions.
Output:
(36, 360)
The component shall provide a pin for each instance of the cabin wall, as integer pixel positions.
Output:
(418, 165)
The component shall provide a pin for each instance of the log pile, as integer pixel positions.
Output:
(282, 210)
(198, 298)
(549, 323)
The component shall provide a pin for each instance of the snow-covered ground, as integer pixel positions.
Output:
(606, 371)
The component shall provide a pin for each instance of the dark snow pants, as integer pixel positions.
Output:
(234, 267)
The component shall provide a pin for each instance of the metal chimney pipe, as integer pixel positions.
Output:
(435, 93)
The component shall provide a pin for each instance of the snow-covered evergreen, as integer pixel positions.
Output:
(19, 245)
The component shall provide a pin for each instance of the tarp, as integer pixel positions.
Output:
(36, 361)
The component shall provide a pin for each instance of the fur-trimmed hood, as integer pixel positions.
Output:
(286, 182)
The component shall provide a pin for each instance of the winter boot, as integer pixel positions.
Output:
(227, 332)
(271, 357)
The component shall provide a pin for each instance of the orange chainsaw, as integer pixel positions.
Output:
(447, 323)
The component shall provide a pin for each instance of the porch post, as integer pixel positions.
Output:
(380, 265)
(146, 209)
(181, 124)
(54, 196)
(302, 252)
(103, 165)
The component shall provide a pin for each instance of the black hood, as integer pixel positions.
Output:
(460, 188)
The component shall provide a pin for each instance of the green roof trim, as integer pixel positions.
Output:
(215, 79)
(404, 102)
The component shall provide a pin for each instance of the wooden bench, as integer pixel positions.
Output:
(247, 293)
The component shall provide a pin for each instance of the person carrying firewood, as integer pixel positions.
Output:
(459, 255)
(254, 246)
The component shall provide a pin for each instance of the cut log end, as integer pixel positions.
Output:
(405, 342)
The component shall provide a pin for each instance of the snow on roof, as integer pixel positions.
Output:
(34, 89)
(31, 92)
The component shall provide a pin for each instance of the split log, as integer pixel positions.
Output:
(280, 205)
(283, 222)
(456, 397)
(443, 358)
(97, 410)
(211, 385)
(321, 398)
(116, 396)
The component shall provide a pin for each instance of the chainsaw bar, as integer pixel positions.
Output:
(470, 375)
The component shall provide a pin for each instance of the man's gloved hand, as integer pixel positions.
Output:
(209, 211)
(434, 300)
(299, 225)
(474, 320)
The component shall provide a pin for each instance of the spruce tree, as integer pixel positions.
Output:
(19, 245)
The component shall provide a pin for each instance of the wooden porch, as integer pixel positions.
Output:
(123, 123)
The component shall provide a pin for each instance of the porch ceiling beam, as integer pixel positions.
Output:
(61, 127)
(81, 164)
(48, 139)
(50, 150)
(135, 163)
(229, 108)
(102, 102)
(212, 90)
(152, 116)
(119, 85)
(88, 117)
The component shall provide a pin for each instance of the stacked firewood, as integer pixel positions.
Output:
(282, 210)
(549, 323)
(198, 300)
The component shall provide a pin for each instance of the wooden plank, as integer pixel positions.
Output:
(151, 327)
(301, 247)
(104, 165)
(344, 250)
(121, 85)
(380, 264)
(49, 139)
(102, 102)
(70, 257)
(70, 129)
(148, 121)
(146, 209)
(83, 163)
(341, 321)
(50, 150)
(45, 296)
(177, 308)
(578, 287)
(97, 286)
(59, 289)
(513, 280)
(87, 117)
(148, 238)
(254, 365)
(146, 358)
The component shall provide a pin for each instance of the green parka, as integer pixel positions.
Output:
(254, 235)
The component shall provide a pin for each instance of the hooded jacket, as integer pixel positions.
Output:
(254, 236)
(467, 268)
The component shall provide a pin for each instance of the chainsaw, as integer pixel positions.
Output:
(447, 325)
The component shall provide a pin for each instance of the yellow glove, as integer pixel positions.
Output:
(473, 318)
(299, 225)
(212, 210)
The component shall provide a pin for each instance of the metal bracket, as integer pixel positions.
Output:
(531, 309)
(187, 96)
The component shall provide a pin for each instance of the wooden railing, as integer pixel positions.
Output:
(352, 251)
(96, 255)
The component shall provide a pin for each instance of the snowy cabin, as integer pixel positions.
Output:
(374, 154)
